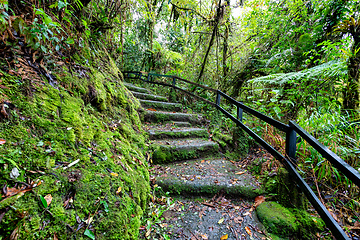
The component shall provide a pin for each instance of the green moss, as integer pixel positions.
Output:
(290, 222)
(167, 154)
(287, 194)
(55, 127)
(277, 219)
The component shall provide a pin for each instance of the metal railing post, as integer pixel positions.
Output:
(174, 81)
(148, 78)
(218, 98)
(239, 113)
(290, 145)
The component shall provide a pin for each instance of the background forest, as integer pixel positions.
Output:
(290, 59)
(293, 60)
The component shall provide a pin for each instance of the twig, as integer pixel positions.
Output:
(317, 186)
(346, 196)
(234, 232)
(209, 205)
(193, 234)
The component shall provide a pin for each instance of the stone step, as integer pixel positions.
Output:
(161, 116)
(182, 124)
(161, 105)
(158, 133)
(166, 151)
(134, 88)
(148, 96)
(206, 177)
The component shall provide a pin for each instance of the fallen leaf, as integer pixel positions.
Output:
(333, 215)
(151, 109)
(240, 173)
(259, 200)
(90, 234)
(118, 191)
(89, 220)
(221, 221)
(147, 234)
(48, 199)
(2, 141)
(248, 230)
(224, 237)
(43, 201)
(114, 174)
(14, 235)
(204, 236)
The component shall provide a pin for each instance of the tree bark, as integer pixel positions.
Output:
(351, 90)
(216, 23)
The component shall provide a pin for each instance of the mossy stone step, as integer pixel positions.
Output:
(160, 116)
(206, 177)
(289, 222)
(182, 124)
(166, 151)
(161, 105)
(134, 88)
(148, 96)
(178, 133)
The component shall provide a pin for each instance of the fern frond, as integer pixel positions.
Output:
(325, 70)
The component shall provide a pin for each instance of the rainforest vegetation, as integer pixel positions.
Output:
(62, 100)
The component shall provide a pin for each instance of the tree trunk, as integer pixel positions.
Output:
(216, 23)
(351, 90)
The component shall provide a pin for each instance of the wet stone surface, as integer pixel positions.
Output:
(206, 176)
(215, 218)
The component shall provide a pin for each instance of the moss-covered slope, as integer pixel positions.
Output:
(90, 121)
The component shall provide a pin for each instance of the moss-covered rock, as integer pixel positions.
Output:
(88, 120)
(288, 223)
(277, 219)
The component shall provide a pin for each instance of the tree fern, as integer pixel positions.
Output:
(335, 68)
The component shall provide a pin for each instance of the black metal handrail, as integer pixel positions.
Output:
(290, 143)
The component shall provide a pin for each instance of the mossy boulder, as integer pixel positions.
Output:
(89, 120)
(277, 219)
(288, 223)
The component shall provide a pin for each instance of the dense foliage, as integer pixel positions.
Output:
(293, 60)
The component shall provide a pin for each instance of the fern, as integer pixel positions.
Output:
(325, 70)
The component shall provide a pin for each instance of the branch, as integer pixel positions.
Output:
(192, 10)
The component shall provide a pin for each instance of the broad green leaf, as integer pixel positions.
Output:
(89, 234)
(43, 48)
(70, 41)
(61, 4)
(106, 206)
(47, 19)
(43, 201)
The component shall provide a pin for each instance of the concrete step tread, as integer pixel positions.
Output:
(158, 105)
(148, 96)
(155, 129)
(206, 176)
(153, 101)
(174, 132)
(135, 88)
(163, 116)
(184, 143)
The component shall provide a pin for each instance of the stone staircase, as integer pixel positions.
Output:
(187, 162)
(185, 158)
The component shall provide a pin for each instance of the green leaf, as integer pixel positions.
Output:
(90, 234)
(61, 4)
(43, 48)
(106, 206)
(53, 5)
(43, 201)
(70, 41)
(47, 19)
